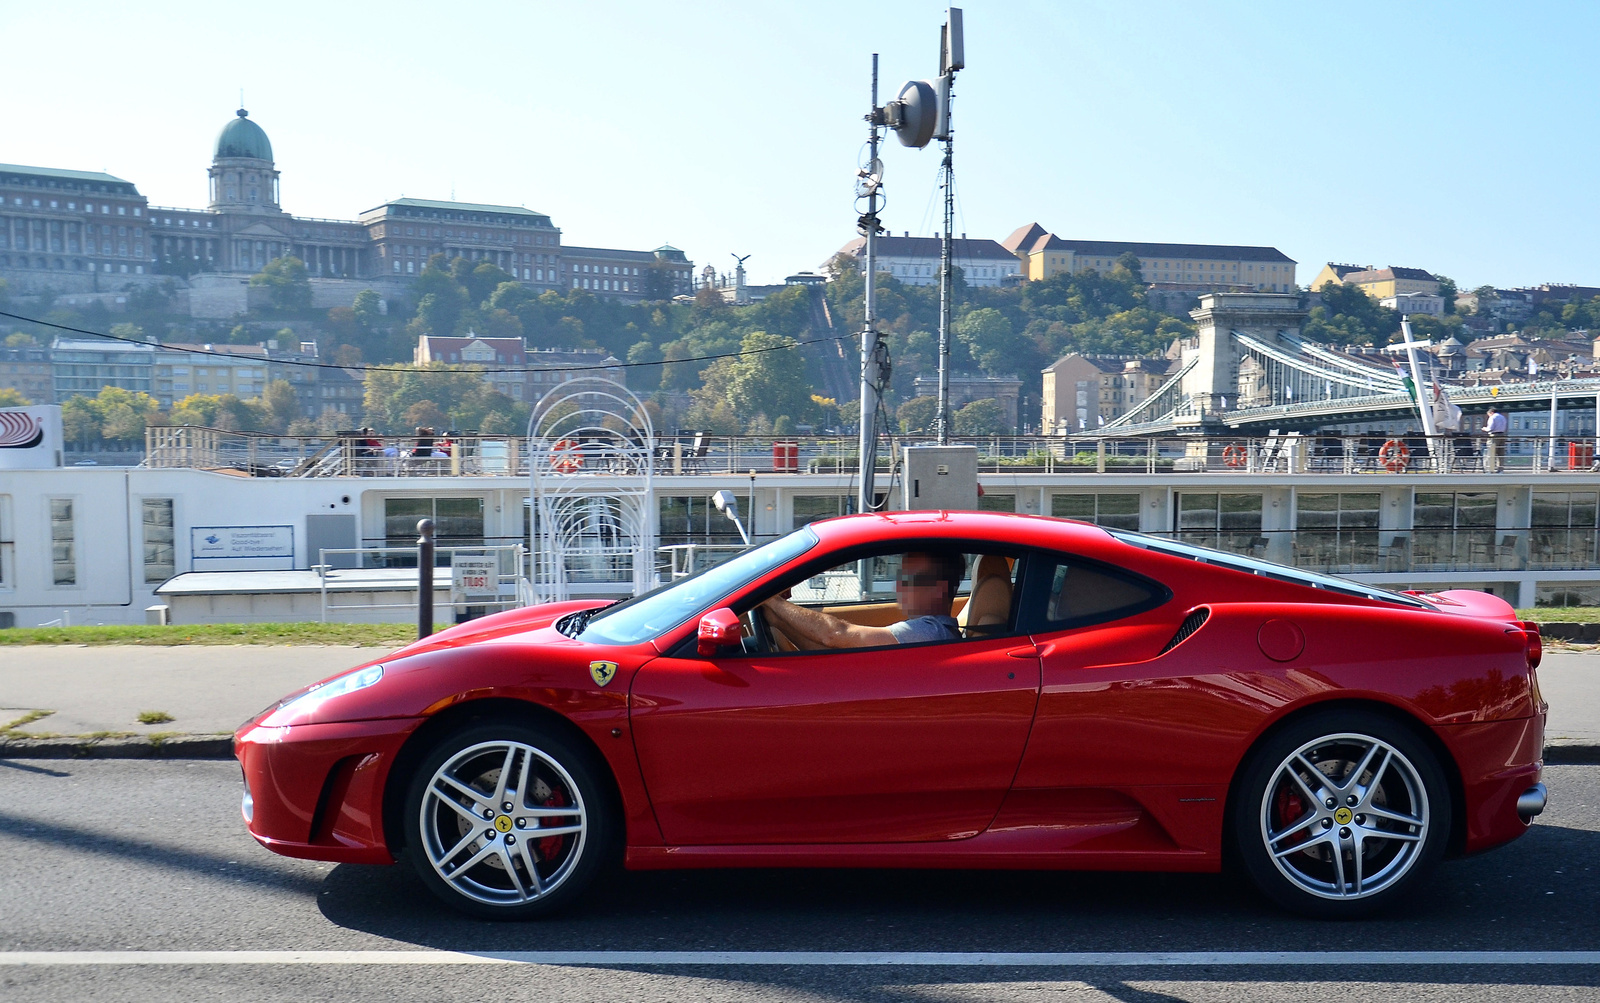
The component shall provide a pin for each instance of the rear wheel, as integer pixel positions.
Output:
(1337, 815)
(509, 821)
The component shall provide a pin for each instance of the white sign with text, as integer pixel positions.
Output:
(474, 578)
(234, 543)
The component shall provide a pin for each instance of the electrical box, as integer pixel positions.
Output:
(940, 477)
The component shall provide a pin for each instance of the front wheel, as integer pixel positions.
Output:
(1340, 813)
(509, 821)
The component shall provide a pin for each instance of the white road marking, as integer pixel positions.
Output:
(977, 959)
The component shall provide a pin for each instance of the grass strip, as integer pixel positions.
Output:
(382, 635)
(1561, 614)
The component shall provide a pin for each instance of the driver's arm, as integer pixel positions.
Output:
(823, 630)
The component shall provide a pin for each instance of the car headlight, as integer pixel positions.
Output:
(339, 686)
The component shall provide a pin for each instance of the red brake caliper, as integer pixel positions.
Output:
(1288, 807)
(551, 845)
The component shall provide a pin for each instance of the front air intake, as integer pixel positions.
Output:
(1191, 623)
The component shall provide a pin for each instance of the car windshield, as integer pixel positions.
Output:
(1266, 569)
(665, 608)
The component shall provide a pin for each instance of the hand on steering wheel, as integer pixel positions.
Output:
(756, 634)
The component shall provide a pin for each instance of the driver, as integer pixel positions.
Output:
(924, 590)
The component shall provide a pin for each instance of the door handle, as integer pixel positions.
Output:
(1031, 651)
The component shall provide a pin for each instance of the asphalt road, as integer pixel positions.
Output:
(115, 855)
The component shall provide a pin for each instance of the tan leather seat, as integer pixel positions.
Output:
(989, 605)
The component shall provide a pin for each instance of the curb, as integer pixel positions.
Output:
(1572, 754)
(137, 747)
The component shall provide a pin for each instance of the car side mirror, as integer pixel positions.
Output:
(718, 629)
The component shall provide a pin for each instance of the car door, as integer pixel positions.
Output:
(1130, 720)
(904, 743)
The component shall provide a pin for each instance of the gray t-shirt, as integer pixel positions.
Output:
(926, 628)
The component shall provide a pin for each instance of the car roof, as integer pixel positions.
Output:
(1001, 527)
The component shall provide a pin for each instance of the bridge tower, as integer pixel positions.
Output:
(1215, 378)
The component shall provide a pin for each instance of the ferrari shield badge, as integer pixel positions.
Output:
(602, 672)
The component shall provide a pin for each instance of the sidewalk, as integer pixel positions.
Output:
(207, 689)
(212, 689)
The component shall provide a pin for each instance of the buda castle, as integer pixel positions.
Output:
(81, 231)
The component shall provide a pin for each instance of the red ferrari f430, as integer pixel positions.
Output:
(927, 689)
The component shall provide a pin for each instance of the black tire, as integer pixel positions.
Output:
(498, 864)
(1390, 822)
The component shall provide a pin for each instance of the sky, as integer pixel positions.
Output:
(1459, 138)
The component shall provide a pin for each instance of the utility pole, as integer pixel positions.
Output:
(943, 424)
(870, 176)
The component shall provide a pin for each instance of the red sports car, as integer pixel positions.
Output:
(927, 689)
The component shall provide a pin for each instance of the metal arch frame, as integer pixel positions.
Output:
(582, 427)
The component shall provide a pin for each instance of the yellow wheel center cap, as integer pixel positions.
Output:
(502, 823)
(1342, 816)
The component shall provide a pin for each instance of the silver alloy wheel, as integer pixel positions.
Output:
(1345, 816)
(503, 823)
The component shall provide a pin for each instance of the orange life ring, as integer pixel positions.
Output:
(1234, 455)
(1394, 455)
(566, 456)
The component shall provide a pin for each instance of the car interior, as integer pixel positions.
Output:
(984, 603)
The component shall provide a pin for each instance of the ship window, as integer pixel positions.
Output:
(8, 546)
(159, 562)
(63, 543)
(458, 522)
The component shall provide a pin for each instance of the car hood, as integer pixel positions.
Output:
(441, 666)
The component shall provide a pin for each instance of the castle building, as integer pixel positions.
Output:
(71, 230)
(1184, 268)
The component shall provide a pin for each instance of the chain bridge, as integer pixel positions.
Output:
(1247, 370)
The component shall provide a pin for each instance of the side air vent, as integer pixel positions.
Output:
(1191, 623)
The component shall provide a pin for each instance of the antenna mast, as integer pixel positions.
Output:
(951, 59)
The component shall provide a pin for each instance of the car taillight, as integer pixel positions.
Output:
(1535, 650)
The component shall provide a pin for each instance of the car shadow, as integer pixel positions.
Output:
(1535, 894)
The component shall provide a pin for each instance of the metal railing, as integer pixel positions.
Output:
(474, 455)
(391, 569)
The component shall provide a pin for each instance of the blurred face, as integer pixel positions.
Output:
(920, 590)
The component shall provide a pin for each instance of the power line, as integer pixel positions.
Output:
(413, 369)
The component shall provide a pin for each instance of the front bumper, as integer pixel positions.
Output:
(316, 790)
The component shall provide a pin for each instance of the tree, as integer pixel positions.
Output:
(281, 404)
(981, 417)
(656, 281)
(426, 413)
(368, 308)
(438, 312)
(21, 339)
(1447, 289)
(1129, 264)
(990, 339)
(288, 283)
(12, 397)
(919, 414)
(80, 421)
(482, 282)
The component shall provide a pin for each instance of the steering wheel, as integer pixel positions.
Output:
(756, 635)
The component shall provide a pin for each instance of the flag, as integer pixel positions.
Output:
(1446, 414)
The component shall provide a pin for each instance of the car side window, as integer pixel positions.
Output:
(1077, 592)
(921, 596)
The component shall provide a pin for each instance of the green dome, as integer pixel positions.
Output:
(243, 138)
